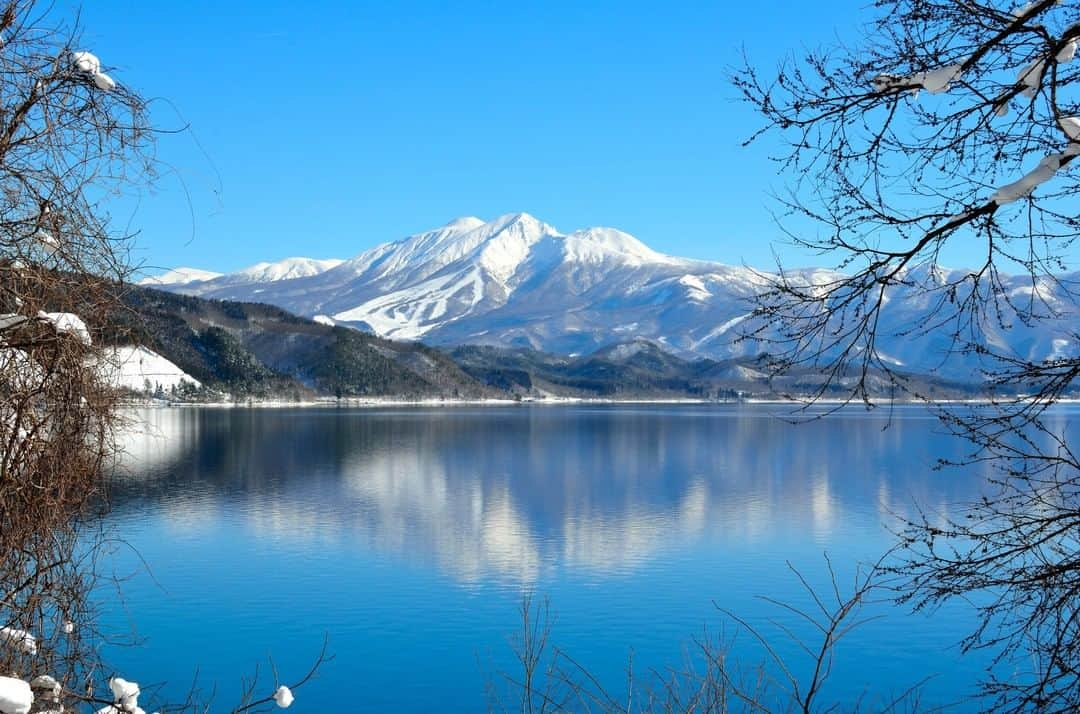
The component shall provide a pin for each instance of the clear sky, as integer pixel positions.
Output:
(323, 128)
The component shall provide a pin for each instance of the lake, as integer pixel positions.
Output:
(408, 537)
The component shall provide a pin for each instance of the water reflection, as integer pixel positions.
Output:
(514, 493)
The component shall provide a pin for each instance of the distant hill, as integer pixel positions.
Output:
(639, 369)
(255, 350)
(249, 349)
(642, 370)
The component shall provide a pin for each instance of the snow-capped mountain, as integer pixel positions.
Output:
(283, 270)
(513, 281)
(179, 276)
(193, 281)
(517, 281)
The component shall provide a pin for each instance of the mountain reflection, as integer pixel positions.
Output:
(512, 493)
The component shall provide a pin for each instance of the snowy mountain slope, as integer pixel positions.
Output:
(287, 269)
(199, 282)
(516, 281)
(140, 369)
(179, 276)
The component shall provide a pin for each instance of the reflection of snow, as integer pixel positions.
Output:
(620, 542)
(607, 544)
(506, 545)
(409, 499)
(410, 505)
(821, 506)
(610, 499)
(474, 534)
(884, 500)
(151, 438)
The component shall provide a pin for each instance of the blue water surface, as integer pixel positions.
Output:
(408, 537)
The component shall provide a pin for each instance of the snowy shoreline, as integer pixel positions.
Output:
(376, 402)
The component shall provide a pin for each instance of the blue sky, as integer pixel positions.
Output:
(323, 128)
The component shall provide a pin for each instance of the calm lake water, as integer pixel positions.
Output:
(409, 535)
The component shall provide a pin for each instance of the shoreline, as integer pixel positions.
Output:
(377, 402)
(386, 402)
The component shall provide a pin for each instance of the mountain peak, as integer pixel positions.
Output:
(507, 241)
(285, 269)
(595, 244)
(466, 223)
(526, 220)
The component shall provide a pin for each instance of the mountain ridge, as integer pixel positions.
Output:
(517, 281)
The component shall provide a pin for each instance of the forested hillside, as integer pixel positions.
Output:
(249, 349)
(253, 350)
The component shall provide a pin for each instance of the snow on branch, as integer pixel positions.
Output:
(1042, 173)
(1047, 168)
(283, 697)
(88, 64)
(125, 698)
(933, 81)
